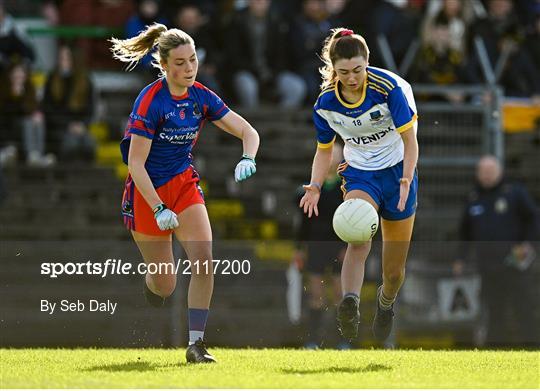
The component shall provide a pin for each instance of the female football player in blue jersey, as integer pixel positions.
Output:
(162, 196)
(374, 112)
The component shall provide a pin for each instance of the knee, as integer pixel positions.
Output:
(164, 287)
(167, 290)
(359, 247)
(394, 276)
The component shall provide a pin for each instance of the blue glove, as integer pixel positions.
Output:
(245, 168)
(165, 218)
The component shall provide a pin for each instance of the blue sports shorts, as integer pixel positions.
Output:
(383, 187)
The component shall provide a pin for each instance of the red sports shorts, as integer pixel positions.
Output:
(180, 192)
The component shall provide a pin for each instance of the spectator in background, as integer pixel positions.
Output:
(398, 21)
(191, 20)
(99, 16)
(336, 9)
(49, 11)
(256, 45)
(68, 106)
(526, 11)
(148, 12)
(21, 117)
(322, 254)
(441, 59)
(502, 32)
(499, 223)
(208, 8)
(357, 15)
(307, 36)
(12, 45)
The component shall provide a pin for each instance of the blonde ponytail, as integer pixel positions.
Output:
(131, 50)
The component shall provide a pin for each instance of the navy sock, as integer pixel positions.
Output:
(197, 323)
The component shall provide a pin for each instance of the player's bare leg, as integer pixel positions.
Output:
(352, 277)
(195, 235)
(352, 271)
(396, 241)
(157, 250)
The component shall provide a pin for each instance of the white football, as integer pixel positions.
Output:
(355, 221)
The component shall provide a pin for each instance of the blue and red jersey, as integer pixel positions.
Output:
(173, 124)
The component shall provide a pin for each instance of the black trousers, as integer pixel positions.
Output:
(511, 299)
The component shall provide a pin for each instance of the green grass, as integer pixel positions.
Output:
(269, 368)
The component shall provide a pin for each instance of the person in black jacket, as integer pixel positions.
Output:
(21, 117)
(309, 29)
(68, 105)
(500, 226)
(257, 58)
(502, 31)
(322, 253)
(191, 19)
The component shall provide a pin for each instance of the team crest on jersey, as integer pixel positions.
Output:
(196, 112)
(376, 116)
(182, 114)
(127, 209)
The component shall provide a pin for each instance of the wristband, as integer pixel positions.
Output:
(249, 157)
(318, 186)
(159, 208)
(403, 180)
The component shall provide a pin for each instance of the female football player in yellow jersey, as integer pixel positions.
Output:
(373, 110)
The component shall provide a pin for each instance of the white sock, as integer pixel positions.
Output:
(384, 302)
(194, 336)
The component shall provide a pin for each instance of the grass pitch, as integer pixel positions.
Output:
(268, 368)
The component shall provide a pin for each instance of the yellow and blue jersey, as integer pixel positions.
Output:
(173, 124)
(370, 128)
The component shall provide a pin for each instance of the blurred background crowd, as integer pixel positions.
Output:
(475, 70)
(251, 52)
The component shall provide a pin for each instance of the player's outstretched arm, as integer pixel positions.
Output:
(237, 126)
(319, 170)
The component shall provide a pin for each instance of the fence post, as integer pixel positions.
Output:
(386, 53)
(493, 119)
(496, 130)
(487, 69)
